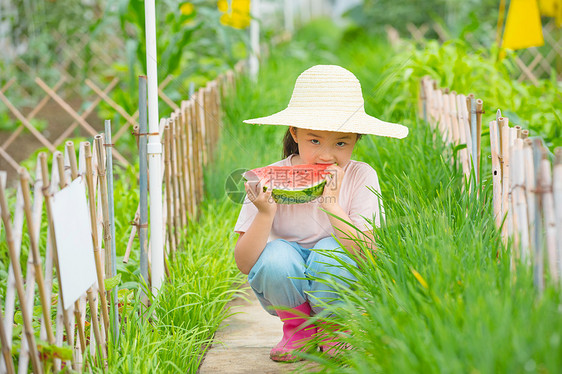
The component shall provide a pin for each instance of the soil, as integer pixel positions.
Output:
(58, 121)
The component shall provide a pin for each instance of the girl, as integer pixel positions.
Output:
(277, 246)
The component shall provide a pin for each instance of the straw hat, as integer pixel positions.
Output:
(329, 98)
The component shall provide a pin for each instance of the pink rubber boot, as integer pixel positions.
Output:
(330, 346)
(295, 333)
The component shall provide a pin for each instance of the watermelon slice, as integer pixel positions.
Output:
(291, 184)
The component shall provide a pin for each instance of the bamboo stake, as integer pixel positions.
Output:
(517, 131)
(514, 186)
(435, 105)
(504, 129)
(143, 185)
(468, 134)
(195, 123)
(187, 182)
(71, 152)
(97, 334)
(440, 115)
(6, 351)
(168, 178)
(62, 184)
(110, 204)
(530, 191)
(462, 137)
(27, 324)
(200, 120)
(36, 257)
(98, 143)
(496, 173)
(10, 298)
(557, 193)
(545, 186)
(473, 132)
(186, 129)
(95, 238)
(538, 270)
(180, 160)
(193, 159)
(479, 112)
(520, 201)
(447, 116)
(524, 134)
(454, 117)
(174, 174)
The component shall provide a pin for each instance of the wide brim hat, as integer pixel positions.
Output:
(329, 98)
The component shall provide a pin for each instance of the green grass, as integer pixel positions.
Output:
(189, 307)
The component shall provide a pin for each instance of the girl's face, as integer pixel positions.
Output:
(324, 147)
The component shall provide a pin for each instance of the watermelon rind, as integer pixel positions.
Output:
(298, 196)
(291, 196)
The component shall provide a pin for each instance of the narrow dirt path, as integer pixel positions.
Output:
(243, 342)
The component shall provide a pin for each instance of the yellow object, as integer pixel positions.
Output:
(237, 15)
(523, 27)
(222, 5)
(187, 9)
(419, 278)
(548, 7)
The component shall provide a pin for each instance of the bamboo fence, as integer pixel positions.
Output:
(526, 178)
(459, 120)
(189, 139)
(85, 322)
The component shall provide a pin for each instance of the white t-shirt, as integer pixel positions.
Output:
(306, 224)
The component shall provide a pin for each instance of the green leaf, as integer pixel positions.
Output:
(111, 283)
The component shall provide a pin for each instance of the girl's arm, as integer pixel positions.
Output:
(330, 202)
(343, 230)
(251, 243)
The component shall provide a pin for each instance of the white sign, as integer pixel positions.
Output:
(73, 234)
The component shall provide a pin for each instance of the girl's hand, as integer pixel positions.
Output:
(262, 200)
(330, 196)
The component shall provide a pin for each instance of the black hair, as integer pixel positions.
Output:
(290, 147)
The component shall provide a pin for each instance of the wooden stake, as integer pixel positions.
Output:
(180, 159)
(519, 204)
(505, 154)
(185, 136)
(538, 270)
(36, 257)
(496, 173)
(95, 239)
(6, 351)
(479, 112)
(462, 137)
(95, 325)
(175, 186)
(549, 218)
(454, 117)
(71, 152)
(530, 192)
(168, 179)
(468, 134)
(27, 324)
(98, 143)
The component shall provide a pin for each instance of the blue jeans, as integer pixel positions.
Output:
(273, 276)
